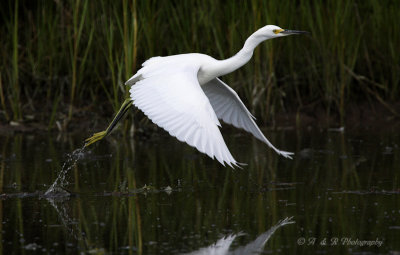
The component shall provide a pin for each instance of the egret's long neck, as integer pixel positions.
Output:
(229, 65)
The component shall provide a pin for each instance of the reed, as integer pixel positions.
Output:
(16, 91)
(78, 53)
(75, 35)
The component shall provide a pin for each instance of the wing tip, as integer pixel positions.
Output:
(233, 164)
(286, 154)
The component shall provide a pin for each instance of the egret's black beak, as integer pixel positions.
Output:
(293, 32)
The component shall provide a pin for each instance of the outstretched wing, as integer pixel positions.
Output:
(171, 97)
(228, 107)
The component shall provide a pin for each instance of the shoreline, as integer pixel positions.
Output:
(358, 116)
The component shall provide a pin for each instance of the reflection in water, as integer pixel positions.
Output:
(221, 247)
(344, 185)
(64, 212)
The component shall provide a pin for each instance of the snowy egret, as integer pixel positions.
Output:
(183, 95)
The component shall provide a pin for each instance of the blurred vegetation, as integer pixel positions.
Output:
(74, 55)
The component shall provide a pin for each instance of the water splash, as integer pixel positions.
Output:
(57, 188)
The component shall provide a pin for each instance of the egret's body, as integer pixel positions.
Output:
(183, 95)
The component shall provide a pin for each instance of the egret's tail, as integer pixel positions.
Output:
(100, 135)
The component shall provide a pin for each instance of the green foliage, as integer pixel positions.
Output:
(79, 53)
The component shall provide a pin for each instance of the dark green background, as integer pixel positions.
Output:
(74, 56)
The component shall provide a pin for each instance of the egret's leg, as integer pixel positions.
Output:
(100, 135)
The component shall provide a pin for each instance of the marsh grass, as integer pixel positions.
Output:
(74, 54)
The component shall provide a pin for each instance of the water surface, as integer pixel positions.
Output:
(155, 195)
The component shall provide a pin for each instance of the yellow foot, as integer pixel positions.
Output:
(96, 137)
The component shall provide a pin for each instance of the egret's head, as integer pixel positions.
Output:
(272, 31)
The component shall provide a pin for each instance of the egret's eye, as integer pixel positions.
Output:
(277, 31)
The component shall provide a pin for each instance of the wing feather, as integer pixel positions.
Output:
(172, 98)
(228, 107)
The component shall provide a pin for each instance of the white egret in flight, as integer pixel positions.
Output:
(183, 95)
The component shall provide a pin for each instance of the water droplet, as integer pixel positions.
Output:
(61, 182)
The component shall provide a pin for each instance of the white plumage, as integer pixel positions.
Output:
(183, 95)
(172, 99)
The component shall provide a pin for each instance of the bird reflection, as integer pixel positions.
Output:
(221, 247)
